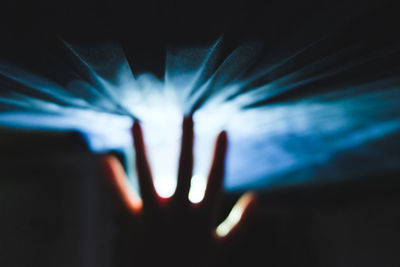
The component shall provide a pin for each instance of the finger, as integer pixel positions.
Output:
(185, 161)
(147, 190)
(216, 176)
(113, 170)
(233, 228)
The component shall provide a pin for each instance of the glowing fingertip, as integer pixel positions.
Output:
(235, 215)
(197, 189)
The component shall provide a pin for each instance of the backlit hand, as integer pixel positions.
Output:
(174, 231)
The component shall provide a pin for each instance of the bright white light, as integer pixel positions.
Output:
(165, 186)
(233, 218)
(162, 134)
(162, 126)
(197, 188)
(270, 142)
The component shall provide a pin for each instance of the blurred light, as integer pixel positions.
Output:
(233, 219)
(275, 138)
(197, 188)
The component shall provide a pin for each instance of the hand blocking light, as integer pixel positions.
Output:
(174, 228)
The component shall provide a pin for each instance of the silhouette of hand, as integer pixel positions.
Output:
(175, 232)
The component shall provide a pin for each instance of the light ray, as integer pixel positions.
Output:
(271, 143)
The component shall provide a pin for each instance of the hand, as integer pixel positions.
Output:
(175, 232)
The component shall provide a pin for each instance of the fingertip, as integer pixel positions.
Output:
(223, 134)
(136, 129)
(222, 144)
(235, 226)
(223, 138)
(187, 124)
(137, 134)
(104, 159)
(188, 119)
(249, 202)
(249, 197)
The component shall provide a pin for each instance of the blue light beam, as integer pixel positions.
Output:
(286, 125)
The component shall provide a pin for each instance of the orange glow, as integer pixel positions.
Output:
(113, 169)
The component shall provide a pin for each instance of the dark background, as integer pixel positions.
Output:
(54, 210)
